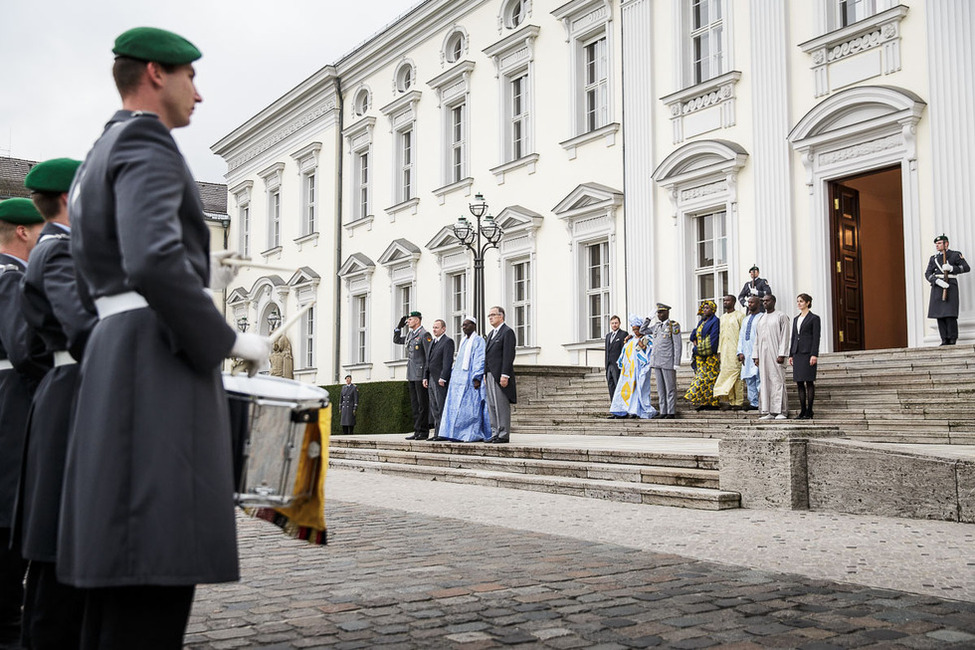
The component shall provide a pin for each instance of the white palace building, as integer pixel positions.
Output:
(631, 151)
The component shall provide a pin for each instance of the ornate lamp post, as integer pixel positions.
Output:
(478, 238)
(273, 320)
(242, 324)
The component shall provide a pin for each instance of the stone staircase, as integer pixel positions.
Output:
(670, 479)
(906, 395)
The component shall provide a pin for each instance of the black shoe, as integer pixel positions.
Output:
(613, 417)
(413, 437)
(671, 416)
(436, 439)
(749, 407)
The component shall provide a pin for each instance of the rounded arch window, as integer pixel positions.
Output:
(454, 49)
(360, 103)
(404, 77)
(515, 13)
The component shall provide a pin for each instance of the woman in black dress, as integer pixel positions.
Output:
(803, 354)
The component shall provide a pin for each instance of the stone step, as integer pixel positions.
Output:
(662, 495)
(658, 475)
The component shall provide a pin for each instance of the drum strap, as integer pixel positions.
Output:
(120, 302)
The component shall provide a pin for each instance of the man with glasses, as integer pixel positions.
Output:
(499, 360)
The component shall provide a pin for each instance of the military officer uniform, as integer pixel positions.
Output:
(941, 266)
(665, 355)
(758, 287)
(53, 308)
(348, 404)
(417, 342)
(22, 366)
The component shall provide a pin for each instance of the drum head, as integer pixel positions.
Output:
(274, 388)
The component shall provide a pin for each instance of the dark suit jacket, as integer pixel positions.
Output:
(614, 347)
(499, 359)
(440, 361)
(805, 341)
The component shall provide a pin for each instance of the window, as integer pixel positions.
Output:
(457, 142)
(457, 303)
(308, 335)
(361, 182)
(515, 12)
(842, 13)
(360, 316)
(404, 155)
(706, 39)
(596, 87)
(518, 117)
(711, 256)
(274, 219)
(404, 77)
(597, 289)
(308, 207)
(454, 49)
(361, 102)
(404, 305)
(521, 301)
(245, 230)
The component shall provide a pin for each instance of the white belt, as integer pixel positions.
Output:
(6, 365)
(952, 275)
(63, 358)
(120, 302)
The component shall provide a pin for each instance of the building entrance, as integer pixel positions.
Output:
(867, 261)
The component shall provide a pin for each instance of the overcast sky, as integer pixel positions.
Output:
(56, 90)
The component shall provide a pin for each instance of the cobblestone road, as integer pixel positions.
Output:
(390, 577)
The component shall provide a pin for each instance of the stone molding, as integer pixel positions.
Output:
(716, 95)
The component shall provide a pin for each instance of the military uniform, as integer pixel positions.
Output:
(758, 287)
(945, 311)
(348, 404)
(417, 344)
(665, 355)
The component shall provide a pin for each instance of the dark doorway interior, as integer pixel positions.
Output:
(869, 291)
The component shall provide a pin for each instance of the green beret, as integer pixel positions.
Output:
(754, 268)
(941, 237)
(52, 176)
(416, 313)
(20, 211)
(152, 44)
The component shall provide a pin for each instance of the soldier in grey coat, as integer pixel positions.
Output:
(943, 268)
(664, 358)
(417, 341)
(148, 500)
(348, 404)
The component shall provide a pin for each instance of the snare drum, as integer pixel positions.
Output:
(269, 416)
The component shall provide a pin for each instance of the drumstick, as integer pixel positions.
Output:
(233, 261)
(278, 333)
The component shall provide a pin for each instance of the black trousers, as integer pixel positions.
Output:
(12, 569)
(148, 617)
(348, 429)
(948, 328)
(612, 378)
(420, 403)
(52, 610)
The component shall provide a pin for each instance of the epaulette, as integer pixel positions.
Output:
(674, 327)
(60, 235)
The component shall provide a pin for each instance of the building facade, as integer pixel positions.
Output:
(350, 184)
(825, 141)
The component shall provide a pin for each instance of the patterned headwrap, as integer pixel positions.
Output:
(714, 307)
(635, 321)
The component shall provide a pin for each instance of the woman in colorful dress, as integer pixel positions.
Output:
(704, 359)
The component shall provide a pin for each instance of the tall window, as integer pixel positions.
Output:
(597, 289)
(458, 142)
(361, 180)
(308, 225)
(521, 301)
(519, 116)
(245, 230)
(308, 333)
(404, 303)
(274, 219)
(711, 256)
(847, 12)
(405, 154)
(596, 84)
(360, 312)
(707, 39)
(457, 303)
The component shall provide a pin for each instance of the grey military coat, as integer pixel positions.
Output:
(148, 488)
(417, 344)
(937, 306)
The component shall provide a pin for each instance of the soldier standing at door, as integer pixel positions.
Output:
(942, 272)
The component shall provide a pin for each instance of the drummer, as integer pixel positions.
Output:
(148, 509)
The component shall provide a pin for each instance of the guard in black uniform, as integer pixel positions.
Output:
(22, 365)
(942, 272)
(147, 508)
(757, 286)
(54, 310)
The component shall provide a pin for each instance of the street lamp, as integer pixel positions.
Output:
(274, 319)
(478, 239)
(242, 324)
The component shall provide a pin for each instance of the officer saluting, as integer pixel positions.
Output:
(417, 342)
(148, 500)
(665, 356)
(20, 371)
(53, 308)
(943, 268)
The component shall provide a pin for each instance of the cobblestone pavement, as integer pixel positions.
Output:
(393, 577)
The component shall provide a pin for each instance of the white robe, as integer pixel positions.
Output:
(772, 341)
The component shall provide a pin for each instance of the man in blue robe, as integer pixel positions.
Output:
(465, 418)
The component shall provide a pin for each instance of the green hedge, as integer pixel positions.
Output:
(384, 407)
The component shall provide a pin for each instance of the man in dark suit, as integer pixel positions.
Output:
(499, 361)
(20, 372)
(438, 370)
(943, 268)
(614, 347)
(148, 498)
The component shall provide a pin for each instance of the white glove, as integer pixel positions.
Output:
(754, 291)
(941, 283)
(947, 268)
(221, 275)
(254, 350)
